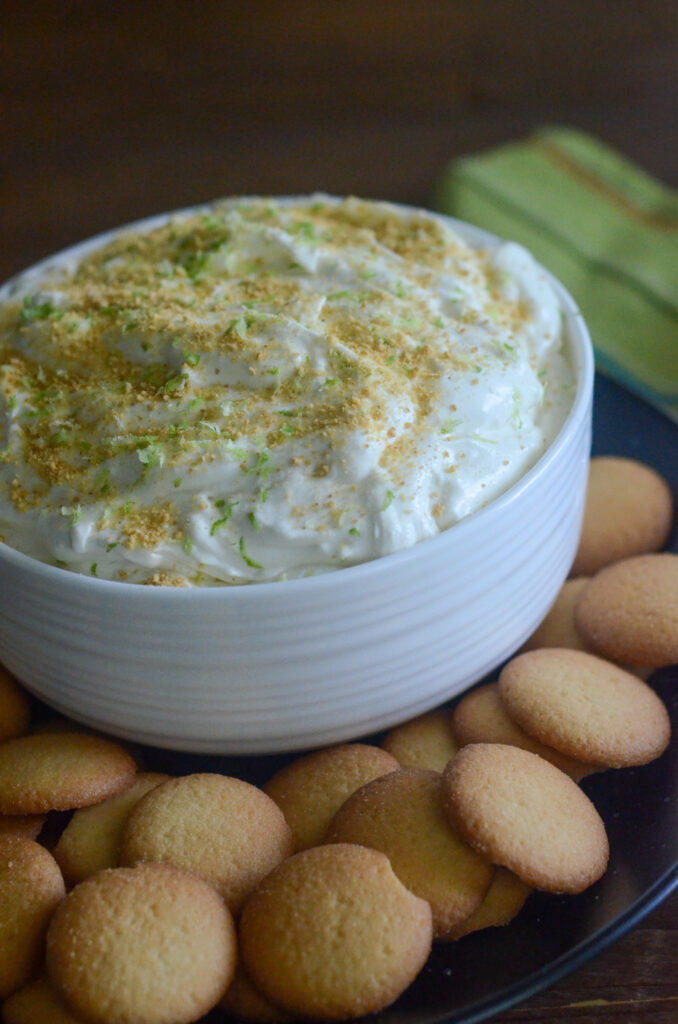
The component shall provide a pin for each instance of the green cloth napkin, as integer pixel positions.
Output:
(607, 229)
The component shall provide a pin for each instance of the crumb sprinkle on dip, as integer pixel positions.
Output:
(264, 389)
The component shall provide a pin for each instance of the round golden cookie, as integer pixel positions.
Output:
(15, 708)
(222, 829)
(629, 511)
(558, 628)
(333, 934)
(585, 707)
(524, 814)
(402, 814)
(505, 898)
(149, 945)
(37, 1003)
(61, 724)
(480, 717)
(628, 612)
(27, 825)
(311, 789)
(59, 772)
(31, 887)
(91, 839)
(245, 1002)
(423, 742)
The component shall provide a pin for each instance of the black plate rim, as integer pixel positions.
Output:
(570, 961)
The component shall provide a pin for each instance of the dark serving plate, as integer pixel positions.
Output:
(489, 971)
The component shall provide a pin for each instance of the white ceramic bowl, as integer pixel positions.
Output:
(288, 665)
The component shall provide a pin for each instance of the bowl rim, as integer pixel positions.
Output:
(581, 355)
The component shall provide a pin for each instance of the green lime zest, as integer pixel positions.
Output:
(245, 557)
(218, 523)
(175, 383)
(35, 311)
(449, 425)
(389, 498)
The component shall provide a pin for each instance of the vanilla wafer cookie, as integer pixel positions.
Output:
(628, 612)
(245, 1002)
(558, 628)
(481, 717)
(27, 825)
(224, 830)
(31, 887)
(524, 814)
(403, 815)
(585, 707)
(424, 742)
(58, 772)
(15, 708)
(37, 1003)
(333, 934)
(629, 511)
(312, 788)
(90, 842)
(505, 898)
(151, 944)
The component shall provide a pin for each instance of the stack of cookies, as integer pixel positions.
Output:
(128, 895)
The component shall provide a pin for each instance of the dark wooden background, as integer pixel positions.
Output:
(110, 111)
(115, 110)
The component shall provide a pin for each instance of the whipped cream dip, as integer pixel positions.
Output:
(263, 389)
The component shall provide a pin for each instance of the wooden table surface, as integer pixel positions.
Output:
(113, 111)
(634, 982)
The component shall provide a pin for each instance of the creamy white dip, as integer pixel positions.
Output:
(267, 389)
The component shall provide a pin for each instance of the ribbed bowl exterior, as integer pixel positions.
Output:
(284, 666)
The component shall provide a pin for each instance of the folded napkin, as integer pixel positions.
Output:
(607, 229)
